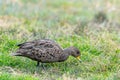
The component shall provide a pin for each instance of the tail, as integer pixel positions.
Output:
(16, 54)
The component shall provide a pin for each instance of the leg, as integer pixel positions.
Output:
(37, 64)
(37, 67)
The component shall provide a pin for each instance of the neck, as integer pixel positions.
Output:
(67, 51)
(65, 55)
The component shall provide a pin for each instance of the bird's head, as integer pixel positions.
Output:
(75, 52)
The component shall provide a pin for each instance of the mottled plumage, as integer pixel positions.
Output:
(45, 51)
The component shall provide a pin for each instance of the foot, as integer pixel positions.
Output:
(43, 66)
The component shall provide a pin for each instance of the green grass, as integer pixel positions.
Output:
(69, 23)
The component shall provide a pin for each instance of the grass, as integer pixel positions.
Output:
(69, 23)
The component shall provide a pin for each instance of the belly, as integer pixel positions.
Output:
(46, 60)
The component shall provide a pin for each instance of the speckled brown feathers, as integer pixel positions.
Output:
(45, 51)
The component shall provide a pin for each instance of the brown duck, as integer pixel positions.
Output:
(46, 51)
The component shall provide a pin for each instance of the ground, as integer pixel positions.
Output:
(69, 23)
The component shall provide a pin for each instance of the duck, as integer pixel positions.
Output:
(46, 51)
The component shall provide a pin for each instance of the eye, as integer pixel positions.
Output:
(78, 52)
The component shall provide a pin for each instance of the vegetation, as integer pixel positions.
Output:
(69, 23)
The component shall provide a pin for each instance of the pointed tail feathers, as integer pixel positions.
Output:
(16, 54)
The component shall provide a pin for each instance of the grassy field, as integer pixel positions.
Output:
(70, 23)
